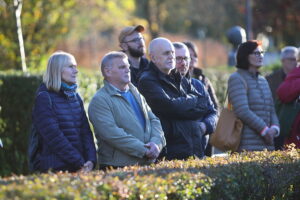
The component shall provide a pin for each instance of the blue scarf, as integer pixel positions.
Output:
(68, 90)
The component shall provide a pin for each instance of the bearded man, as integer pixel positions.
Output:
(132, 44)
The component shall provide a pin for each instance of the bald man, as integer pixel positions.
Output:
(175, 102)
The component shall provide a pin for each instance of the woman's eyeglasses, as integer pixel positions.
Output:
(258, 53)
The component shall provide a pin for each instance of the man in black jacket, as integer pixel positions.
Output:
(133, 45)
(178, 105)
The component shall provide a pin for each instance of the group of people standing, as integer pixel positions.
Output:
(147, 110)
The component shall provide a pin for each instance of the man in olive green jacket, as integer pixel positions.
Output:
(127, 131)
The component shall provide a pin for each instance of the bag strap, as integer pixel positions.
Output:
(243, 80)
(34, 140)
(48, 97)
(229, 106)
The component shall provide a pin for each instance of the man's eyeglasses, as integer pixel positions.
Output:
(135, 40)
(179, 59)
(290, 59)
(258, 53)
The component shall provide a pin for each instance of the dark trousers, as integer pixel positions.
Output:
(278, 142)
(206, 146)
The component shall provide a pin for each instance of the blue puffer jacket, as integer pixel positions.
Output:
(66, 139)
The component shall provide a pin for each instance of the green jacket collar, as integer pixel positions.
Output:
(113, 91)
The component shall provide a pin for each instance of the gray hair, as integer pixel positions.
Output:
(179, 45)
(289, 50)
(56, 63)
(108, 59)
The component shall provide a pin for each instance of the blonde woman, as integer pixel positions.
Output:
(65, 138)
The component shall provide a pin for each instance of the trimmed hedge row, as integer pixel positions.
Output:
(16, 100)
(250, 175)
(17, 95)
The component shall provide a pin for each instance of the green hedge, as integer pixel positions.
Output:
(250, 175)
(16, 100)
(17, 95)
(219, 82)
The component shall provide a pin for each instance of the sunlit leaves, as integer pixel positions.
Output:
(250, 175)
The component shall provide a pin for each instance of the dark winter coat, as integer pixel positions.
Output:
(65, 135)
(178, 111)
(135, 73)
(198, 74)
(275, 79)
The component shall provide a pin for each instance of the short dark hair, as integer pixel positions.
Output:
(244, 50)
(192, 47)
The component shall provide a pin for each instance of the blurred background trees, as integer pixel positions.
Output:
(44, 24)
(89, 28)
(279, 19)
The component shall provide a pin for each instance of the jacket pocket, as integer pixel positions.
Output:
(106, 152)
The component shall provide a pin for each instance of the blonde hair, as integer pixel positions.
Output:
(56, 63)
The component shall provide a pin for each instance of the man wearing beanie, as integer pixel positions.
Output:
(133, 45)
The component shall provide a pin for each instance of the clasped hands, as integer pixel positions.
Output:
(269, 137)
(152, 151)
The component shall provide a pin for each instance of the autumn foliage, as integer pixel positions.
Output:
(249, 175)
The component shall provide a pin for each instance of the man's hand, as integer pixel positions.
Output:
(153, 150)
(203, 127)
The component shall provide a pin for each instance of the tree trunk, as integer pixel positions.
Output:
(18, 10)
(249, 20)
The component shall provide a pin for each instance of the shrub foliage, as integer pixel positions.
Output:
(250, 175)
(17, 95)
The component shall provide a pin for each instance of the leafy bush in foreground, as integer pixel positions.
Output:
(250, 175)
